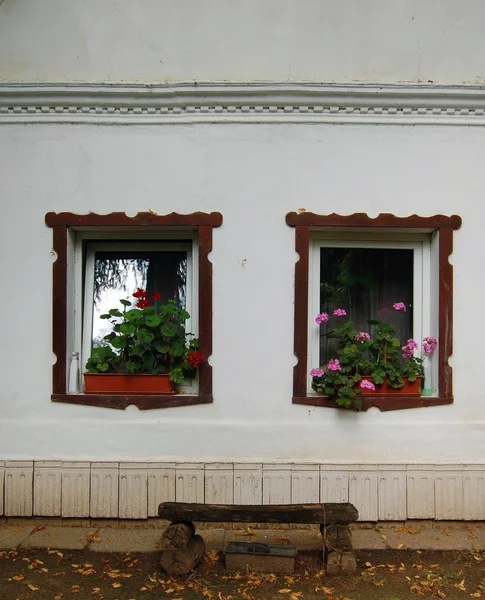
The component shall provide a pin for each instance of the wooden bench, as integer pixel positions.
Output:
(182, 548)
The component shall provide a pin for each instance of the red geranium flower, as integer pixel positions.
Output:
(195, 358)
(140, 293)
(143, 303)
(156, 296)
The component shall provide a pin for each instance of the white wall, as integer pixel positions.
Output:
(251, 40)
(254, 175)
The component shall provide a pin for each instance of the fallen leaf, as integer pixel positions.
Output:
(212, 556)
(116, 585)
(248, 531)
(18, 577)
(58, 597)
(33, 587)
(400, 546)
(284, 591)
(38, 528)
(93, 537)
(407, 529)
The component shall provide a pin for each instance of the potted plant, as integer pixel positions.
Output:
(147, 351)
(368, 365)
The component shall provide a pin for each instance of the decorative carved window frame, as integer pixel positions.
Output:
(61, 223)
(444, 225)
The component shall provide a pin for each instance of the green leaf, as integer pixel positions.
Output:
(168, 330)
(118, 342)
(177, 348)
(125, 302)
(137, 350)
(103, 367)
(105, 316)
(176, 375)
(145, 336)
(127, 328)
(114, 312)
(130, 367)
(162, 347)
(153, 320)
(133, 314)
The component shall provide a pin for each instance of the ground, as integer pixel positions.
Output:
(35, 574)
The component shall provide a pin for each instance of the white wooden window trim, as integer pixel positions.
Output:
(425, 318)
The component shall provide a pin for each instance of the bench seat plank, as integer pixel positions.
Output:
(329, 513)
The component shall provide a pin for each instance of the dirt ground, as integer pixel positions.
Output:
(29, 574)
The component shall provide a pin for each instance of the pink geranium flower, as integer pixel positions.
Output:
(362, 337)
(334, 365)
(317, 372)
(322, 318)
(339, 312)
(365, 384)
(429, 344)
(408, 349)
(399, 306)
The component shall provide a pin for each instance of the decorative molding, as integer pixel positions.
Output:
(133, 490)
(303, 222)
(242, 103)
(60, 222)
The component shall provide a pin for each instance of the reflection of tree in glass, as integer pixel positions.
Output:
(112, 273)
(164, 272)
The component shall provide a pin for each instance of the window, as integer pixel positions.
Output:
(367, 265)
(102, 258)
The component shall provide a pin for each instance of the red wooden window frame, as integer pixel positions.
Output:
(60, 223)
(303, 224)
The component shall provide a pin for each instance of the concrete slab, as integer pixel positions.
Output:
(452, 537)
(368, 539)
(126, 540)
(61, 538)
(12, 537)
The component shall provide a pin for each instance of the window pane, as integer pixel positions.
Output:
(366, 282)
(118, 274)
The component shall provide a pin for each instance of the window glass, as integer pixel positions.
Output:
(366, 282)
(114, 272)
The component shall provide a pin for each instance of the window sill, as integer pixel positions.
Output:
(141, 401)
(383, 403)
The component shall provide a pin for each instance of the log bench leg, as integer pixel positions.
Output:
(181, 548)
(338, 553)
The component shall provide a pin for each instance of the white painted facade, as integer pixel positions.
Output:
(312, 133)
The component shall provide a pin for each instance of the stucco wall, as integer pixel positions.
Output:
(218, 40)
(254, 175)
